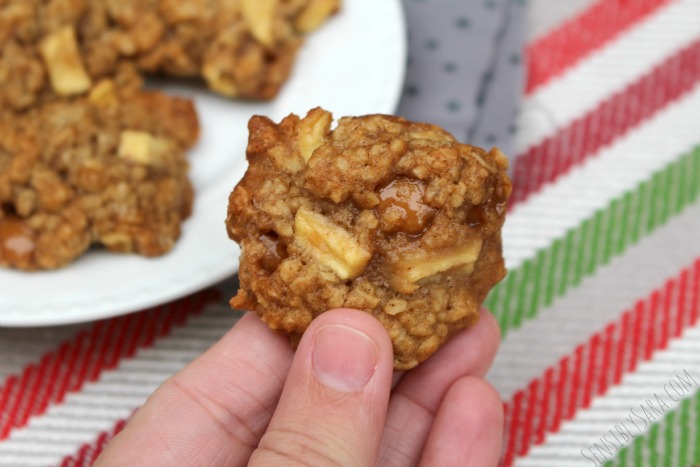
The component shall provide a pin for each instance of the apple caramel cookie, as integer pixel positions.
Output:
(107, 169)
(394, 218)
(241, 48)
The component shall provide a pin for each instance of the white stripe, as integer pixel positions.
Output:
(64, 428)
(618, 168)
(20, 347)
(571, 320)
(544, 16)
(563, 449)
(610, 70)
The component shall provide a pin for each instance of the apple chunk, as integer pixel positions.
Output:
(417, 265)
(330, 244)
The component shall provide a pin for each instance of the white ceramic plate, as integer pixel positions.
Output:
(353, 65)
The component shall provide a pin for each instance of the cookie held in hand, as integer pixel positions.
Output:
(391, 217)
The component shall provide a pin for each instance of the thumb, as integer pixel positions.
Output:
(334, 402)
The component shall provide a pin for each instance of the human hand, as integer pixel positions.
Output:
(251, 400)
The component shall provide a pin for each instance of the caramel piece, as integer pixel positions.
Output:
(402, 207)
(17, 241)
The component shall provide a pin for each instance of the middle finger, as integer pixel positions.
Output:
(416, 398)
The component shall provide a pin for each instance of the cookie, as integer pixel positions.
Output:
(107, 169)
(391, 217)
(243, 48)
(89, 158)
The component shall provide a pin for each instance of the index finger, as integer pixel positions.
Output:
(214, 411)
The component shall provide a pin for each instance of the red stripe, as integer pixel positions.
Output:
(77, 345)
(86, 356)
(561, 388)
(591, 370)
(682, 291)
(639, 318)
(50, 391)
(30, 404)
(529, 416)
(559, 50)
(575, 386)
(544, 405)
(652, 326)
(15, 400)
(611, 119)
(640, 348)
(133, 338)
(694, 290)
(622, 348)
(607, 367)
(98, 362)
(514, 411)
(117, 349)
(666, 313)
(88, 453)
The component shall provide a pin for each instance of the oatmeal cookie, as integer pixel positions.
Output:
(107, 169)
(242, 48)
(381, 214)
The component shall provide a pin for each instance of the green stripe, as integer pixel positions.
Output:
(684, 442)
(593, 258)
(696, 444)
(675, 448)
(610, 230)
(577, 254)
(566, 267)
(624, 222)
(540, 265)
(553, 255)
(653, 445)
(670, 454)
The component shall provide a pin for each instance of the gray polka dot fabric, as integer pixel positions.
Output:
(465, 67)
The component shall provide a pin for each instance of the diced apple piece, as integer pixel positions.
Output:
(315, 14)
(260, 15)
(416, 266)
(142, 147)
(103, 93)
(312, 131)
(330, 244)
(60, 52)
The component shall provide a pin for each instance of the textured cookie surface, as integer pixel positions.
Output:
(106, 169)
(240, 48)
(89, 158)
(394, 218)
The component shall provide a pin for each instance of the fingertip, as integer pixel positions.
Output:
(482, 410)
(356, 319)
(490, 323)
(480, 398)
(469, 425)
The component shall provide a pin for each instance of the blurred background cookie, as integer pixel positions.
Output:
(107, 169)
(240, 48)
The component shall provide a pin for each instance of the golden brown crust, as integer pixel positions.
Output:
(388, 216)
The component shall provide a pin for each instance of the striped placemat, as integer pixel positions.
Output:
(600, 363)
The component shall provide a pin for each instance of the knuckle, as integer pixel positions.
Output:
(233, 425)
(296, 444)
